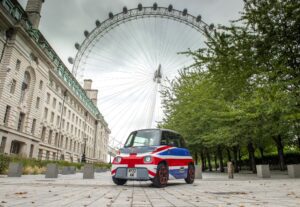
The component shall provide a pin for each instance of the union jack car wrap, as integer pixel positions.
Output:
(141, 162)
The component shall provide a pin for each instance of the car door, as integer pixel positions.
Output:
(178, 165)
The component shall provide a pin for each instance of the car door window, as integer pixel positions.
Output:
(174, 139)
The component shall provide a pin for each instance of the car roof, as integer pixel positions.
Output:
(168, 130)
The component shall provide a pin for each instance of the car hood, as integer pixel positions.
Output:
(138, 150)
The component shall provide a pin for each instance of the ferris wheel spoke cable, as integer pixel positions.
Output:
(130, 94)
(134, 115)
(120, 92)
(142, 46)
(124, 47)
(172, 59)
(116, 121)
(118, 108)
(147, 27)
(109, 59)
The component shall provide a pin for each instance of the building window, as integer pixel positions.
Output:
(3, 143)
(43, 133)
(61, 141)
(15, 147)
(25, 85)
(50, 137)
(40, 155)
(45, 113)
(48, 98)
(52, 117)
(69, 114)
(56, 139)
(66, 145)
(47, 155)
(41, 85)
(13, 86)
(18, 65)
(21, 122)
(54, 103)
(37, 103)
(65, 111)
(57, 120)
(6, 115)
(59, 107)
(33, 126)
(31, 150)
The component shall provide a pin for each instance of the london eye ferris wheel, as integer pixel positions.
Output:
(130, 56)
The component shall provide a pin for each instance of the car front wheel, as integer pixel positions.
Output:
(119, 181)
(190, 174)
(162, 175)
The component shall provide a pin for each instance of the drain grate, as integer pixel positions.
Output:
(227, 193)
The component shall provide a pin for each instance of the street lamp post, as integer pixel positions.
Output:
(60, 122)
(83, 158)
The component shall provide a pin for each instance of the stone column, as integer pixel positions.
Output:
(52, 171)
(294, 171)
(15, 169)
(230, 170)
(198, 172)
(263, 171)
(88, 171)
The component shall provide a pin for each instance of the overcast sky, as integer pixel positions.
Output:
(63, 23)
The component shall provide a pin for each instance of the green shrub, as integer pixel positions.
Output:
(4, 162)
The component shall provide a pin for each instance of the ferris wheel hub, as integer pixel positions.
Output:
(158, 75)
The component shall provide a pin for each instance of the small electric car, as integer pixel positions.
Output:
(158, 155)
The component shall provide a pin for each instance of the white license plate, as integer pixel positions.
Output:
(131, 172)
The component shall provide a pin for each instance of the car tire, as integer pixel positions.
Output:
(162, 175)
(119, 181)
(190, 174)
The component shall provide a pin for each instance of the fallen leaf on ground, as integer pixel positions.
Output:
(21, 193)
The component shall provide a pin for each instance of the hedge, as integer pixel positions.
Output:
(31, 162)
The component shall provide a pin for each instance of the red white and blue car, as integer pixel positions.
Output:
(158, 155)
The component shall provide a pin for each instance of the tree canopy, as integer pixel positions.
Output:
(243, 88)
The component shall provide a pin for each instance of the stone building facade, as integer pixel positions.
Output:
(44, 112)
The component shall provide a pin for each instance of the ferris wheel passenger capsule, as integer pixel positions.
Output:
(185, 11)
(125, 10)
(111, 15)
(170, 8)
(140, 7)
(198, 18)
(98, 23)
(155, 6)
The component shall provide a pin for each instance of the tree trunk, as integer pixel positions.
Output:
(220, 155)
(262, 155)
(228, 155)
(251, 157)
(216, 161)
(235, 159)
(280, 152)
(208, 159)
(299, 142)
(203, 161)
(240, 159)
(196, 158)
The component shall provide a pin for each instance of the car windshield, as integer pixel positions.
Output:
(143, 138)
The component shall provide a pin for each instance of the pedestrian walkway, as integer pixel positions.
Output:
(215, 189)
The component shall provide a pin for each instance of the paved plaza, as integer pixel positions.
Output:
(213, 190)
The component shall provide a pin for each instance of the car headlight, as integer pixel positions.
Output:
(147, 159)
(117, 159)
